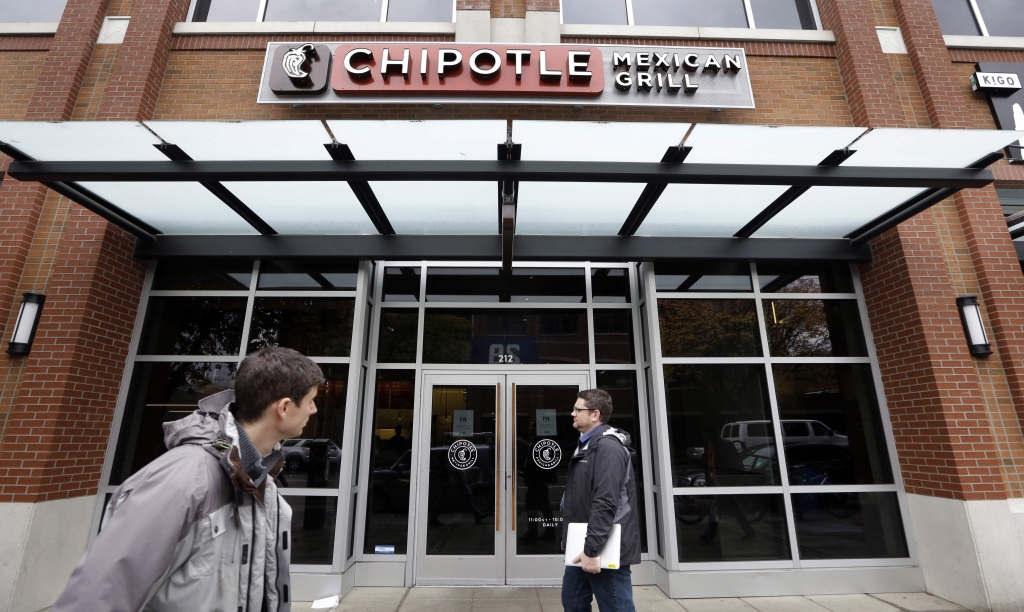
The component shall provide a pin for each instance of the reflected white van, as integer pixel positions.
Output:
(749, 434)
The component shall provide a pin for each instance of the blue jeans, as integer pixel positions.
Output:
(613, 589)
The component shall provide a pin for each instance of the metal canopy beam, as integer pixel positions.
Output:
(363, 191)
(481, 170)
(489, 247)
(649, 196)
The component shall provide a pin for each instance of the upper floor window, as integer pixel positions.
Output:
(321, 10)
(773, 14)
(39, 11)
(980, 17)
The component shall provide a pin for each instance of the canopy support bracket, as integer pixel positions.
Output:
(363, 191)
(649, 196)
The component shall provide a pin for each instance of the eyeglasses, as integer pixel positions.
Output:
(575, 409)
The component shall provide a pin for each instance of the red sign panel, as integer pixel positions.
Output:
(410, 68)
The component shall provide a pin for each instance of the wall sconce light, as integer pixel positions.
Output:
(970, 316)
(28, 321)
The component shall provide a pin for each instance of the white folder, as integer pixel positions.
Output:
(576, 538)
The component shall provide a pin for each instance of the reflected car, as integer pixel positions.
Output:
(391, 483)
(297, 451)
(747, 434)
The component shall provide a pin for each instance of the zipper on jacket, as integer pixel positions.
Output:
(248, 589)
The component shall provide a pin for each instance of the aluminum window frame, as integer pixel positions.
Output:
(261, 12)
(748, 10)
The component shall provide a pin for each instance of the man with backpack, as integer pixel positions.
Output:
(600, 490)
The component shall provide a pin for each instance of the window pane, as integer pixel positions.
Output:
(292, 276)
(594, 11)
(731, 528)
(160, 393)
(44, 11)
(722, 277)
(709, 328)
(704, 402)
(227, 10)
(956, 17)
(658, 530)
(722, 13)
(849, 526)
(397, 343)
(841, 398)
(828, 278)
(613, 336)
(420, 10)
(313, 525)
(621, 385)
(490, 285)
(193, 326)
(1003, 17)
(651, 427)
(322, 10)
(387, 511)
(783, 14)
(314, 458)
(505, 336)
(401, 285)
(465, 285)
(208, 275)
(610, 285)
(814, 328)
(567, 285)
(318, 327)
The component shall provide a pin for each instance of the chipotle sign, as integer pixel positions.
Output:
(567, 74)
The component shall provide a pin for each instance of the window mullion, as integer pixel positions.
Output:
(978, 17)
(750, 14)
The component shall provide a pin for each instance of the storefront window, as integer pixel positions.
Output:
(316, 327)
(505, 336)
(193, 326)
(731, 528)
(217, 275)
(694, 13)
(1002, 17)
(827, 278)
(397, 338)
(721, 278)
(783, 14)
(491, 285)
(849, 526)
(709, 328)
(612, 12)
(322, 10)
(610, 285)
(420, 10)
(956, 17)
(401, 285)
(314, 520)
(313, 460)
(226, 10)
(299, 276)
(387, 510)
(621, 385)
(814, 328)
(43, 11)
(613, 336)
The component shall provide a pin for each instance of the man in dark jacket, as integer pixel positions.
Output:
(600, 490)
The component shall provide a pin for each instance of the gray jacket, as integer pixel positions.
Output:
(189, 532)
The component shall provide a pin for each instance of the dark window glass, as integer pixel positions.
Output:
(18, 11)
(731, 528)
(610, 285)
(840, 398)
(359, 427)
(367, 321)
(397, 343)
(613, 336)
(709, 328)
(655, 461)
(814, 328)
(352, 524)
(160, 393)
(722, 277)
(313, 459)
(956, 17)
(207, 275)
(505, 336)
(294, 276)
(466, 285)
(645, 339)
(420, 10)
(1012, 201)
(658, 528)
(594, 11)
(228, 10)
(401, 285)
(849, 526)
(826, 278)
(193, 326)
(387, 511)
(707, 13)
(320, 327)
(548, 285)
(321, 10)
(313, 525)
(783, 14)
(703, 402)
(1003, 17)
(621, 385)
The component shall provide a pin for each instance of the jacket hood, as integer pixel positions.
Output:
(206, 425)
(623, 436)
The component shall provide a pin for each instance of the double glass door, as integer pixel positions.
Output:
(492, 451)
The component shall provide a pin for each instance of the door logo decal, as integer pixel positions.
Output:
(462, 454)
(547, 454)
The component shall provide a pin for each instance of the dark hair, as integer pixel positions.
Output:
(598, 399)
(271, 374)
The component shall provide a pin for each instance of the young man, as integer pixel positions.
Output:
(203, 527)
(600, 490)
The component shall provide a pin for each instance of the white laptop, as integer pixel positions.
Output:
(609, 554)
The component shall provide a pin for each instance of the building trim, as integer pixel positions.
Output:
(28, 29)
(208, 28)
(1012, 43)
(691, 33)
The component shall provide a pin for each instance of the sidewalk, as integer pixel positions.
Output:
(647, 599)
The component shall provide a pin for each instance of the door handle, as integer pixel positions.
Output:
(515, 459)
(497, 462)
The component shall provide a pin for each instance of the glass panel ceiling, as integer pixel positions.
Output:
(586, 208)
(412, 206)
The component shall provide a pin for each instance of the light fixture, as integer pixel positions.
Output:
(974, 328)
(25, 327)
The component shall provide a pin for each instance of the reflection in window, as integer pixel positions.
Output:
(814, 328)
(621, 385)
(719, 426)
(205, 275)
(314, 458)
(610, 285)
(313, 525)
(420, 10)
(731, 528)
(783, 14)
(226, 10)
(612, 12)
(160, 393)
(709, 328)
(826, 278)
(401, 285)
(832, 425)
(849, 526)
(193, 326)
(287, 275)
(956, 17)
(39, 11)
(322, 10)
(505, 336)
(690, 278)
(397, 340)
(613, 336)
(1002, 17)
(318, 327)
(491, 285)
(696, 13)
(387, 511)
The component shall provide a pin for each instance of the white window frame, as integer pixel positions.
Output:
(748, 9)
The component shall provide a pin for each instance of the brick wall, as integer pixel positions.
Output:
(19, 71)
